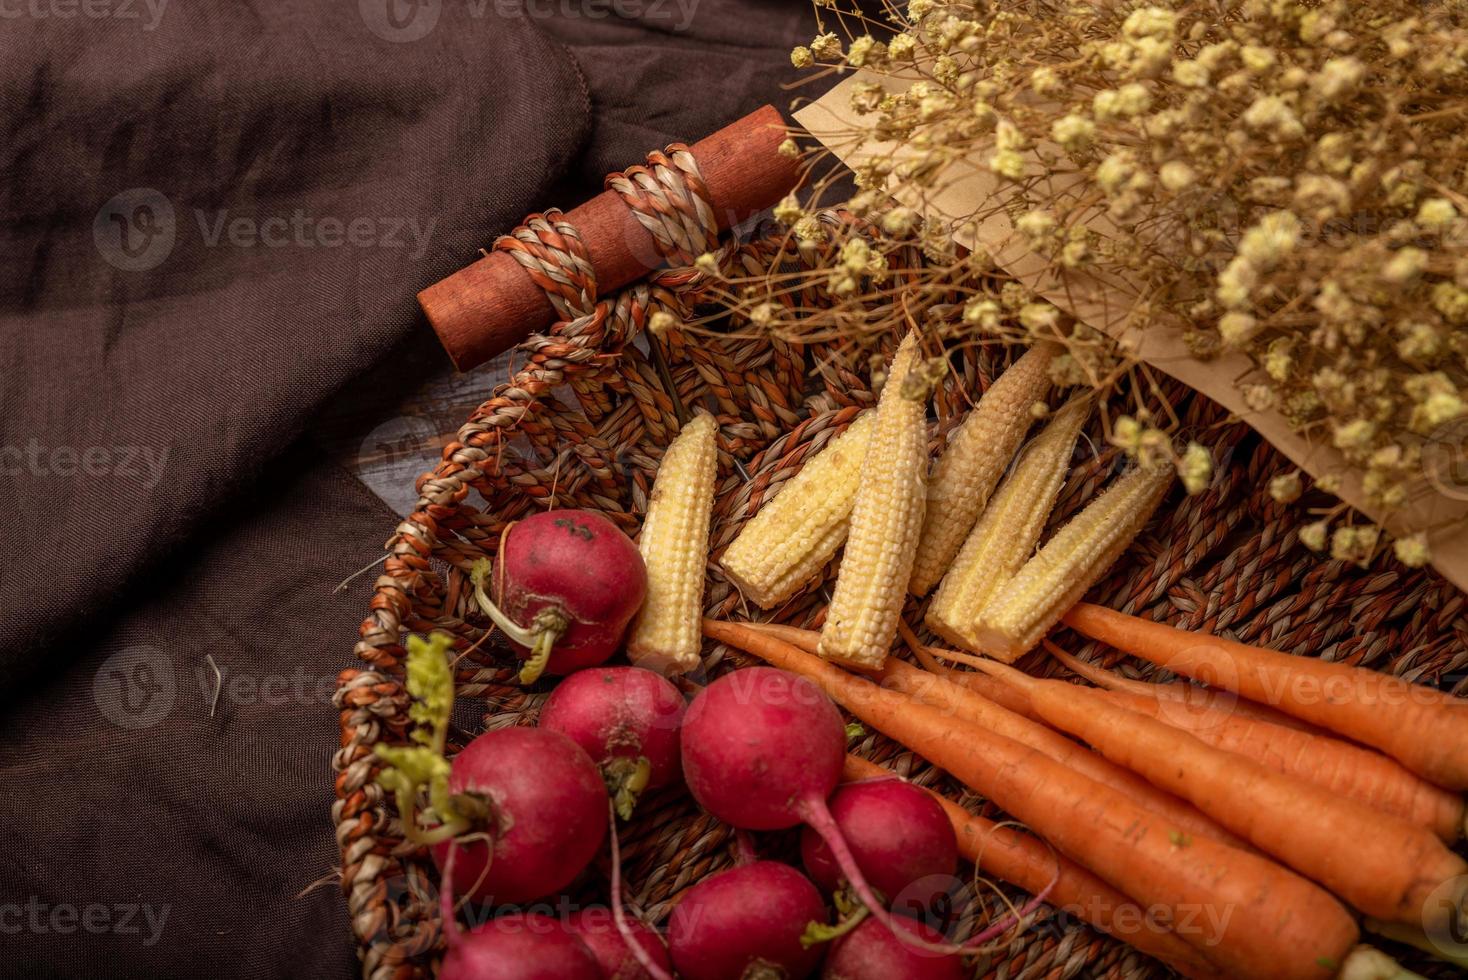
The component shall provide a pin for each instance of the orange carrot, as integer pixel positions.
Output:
(1423, 729)
(1341, 767)
(1384, 865)
(1022, 859)
(928, 689)
(1277, 923)
(972, 707)
(996, 691)
(1180, 692)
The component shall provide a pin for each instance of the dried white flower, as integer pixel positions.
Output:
(1412, 550)
(861, 50)
(1074, 132)
(826, 47)
(1338, 78)
(1257, 59)
(900, 221)
(1115, 171)
(1190, 74)
(1153, 22)
(1237, 329)
(1405, 266)
(1045, 81)
(1176, 175)
(1035, 225)
(1286, 488)
(1436, 213)
(1272, 238)
(660, 323)
(1313, 536)
(1131, 99)
(1271, 114)
(1195, 468)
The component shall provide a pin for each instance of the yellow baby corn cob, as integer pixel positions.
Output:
(792, 537)
(977, 455)
(675, 543)
(1008, 529)
(1069, 564)
(885, 521)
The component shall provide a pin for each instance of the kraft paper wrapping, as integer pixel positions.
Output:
(1441, 501)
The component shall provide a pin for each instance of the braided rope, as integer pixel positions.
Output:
(669, 198)
(550, 250)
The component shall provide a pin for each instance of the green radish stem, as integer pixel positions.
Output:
(626, 779)
(619, 916)
(407, 769)
(541, 636)
(850, 914)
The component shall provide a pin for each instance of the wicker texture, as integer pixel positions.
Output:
(583, 423)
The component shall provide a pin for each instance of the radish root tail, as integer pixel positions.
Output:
(619, 915)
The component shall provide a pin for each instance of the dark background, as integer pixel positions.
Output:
(215, 218)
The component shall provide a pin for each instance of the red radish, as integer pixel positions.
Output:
(566, 584)
(545, 806)
(518, 946)
(746, 924)
(762, 750)
(597, 929)
(627, 719)
(872, 952)
(901, 839)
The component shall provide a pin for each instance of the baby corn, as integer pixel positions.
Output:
(1008, 529)
(789, 541)
(886, 519)
(675, 540)
(977, 455)
(1069, 564)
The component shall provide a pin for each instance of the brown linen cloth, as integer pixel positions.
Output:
(213, 217)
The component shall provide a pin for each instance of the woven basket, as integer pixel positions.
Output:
(583, 423)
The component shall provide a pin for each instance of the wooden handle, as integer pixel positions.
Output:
(492, 305)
